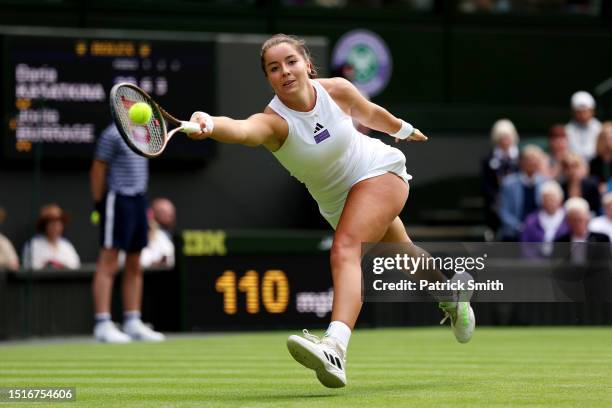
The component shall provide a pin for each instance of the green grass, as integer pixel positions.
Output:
(535, 367)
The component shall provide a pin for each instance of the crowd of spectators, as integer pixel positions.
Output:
(50, 249)
(561, 194)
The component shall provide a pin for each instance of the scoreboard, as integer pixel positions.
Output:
(56, 89)
(251, 280)
(257, 291)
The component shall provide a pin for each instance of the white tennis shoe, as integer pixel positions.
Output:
(139, 331)
(463, 321)
(107, 332)
(325, 356)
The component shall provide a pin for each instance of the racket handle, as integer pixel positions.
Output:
(190, 127)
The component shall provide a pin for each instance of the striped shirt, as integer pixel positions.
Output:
(128, 173)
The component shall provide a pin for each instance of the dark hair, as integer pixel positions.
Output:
(557, 130)
(48, 213)
(297, 43)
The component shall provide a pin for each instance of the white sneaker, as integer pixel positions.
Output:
(137, 330)
(107, 332)
(463, 321)
(326, 356)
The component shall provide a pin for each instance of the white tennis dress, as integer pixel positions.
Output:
(325, 152)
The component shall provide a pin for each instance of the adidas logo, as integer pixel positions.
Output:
(322, 135)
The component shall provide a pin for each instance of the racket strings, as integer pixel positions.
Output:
(148, 138)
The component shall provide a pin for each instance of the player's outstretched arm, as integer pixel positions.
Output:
(258, 129)
(372, 115)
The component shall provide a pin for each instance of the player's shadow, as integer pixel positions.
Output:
(288, 396)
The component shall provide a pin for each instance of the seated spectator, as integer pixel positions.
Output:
(583, 129)
(500, 162)
(603, 223)
(583, 274)
(601, 165)
(558, 147)
(544, 161)
(578, 216)
(546, 224)
(164, 214)
(159, 251)
(49, 249)
(576, 182)
(520, 194)
(8, 256)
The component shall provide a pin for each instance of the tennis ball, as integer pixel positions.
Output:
(95, 217)
(140, 113)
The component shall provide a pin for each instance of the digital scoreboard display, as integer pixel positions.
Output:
(257, 291)
(56, 90)
(253, 280)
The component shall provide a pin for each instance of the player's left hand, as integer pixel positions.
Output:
(416, 136)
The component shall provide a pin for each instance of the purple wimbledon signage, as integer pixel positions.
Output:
(370, 58)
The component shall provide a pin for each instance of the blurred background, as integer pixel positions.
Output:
(453, 68)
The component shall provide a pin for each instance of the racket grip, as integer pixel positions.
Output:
(190, 127)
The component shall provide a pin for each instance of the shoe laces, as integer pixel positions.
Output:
(448, 312)
(447, 315)
(311, 337)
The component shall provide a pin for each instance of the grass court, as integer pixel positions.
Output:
(410, 367)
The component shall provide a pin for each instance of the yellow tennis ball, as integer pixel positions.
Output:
(140, 113)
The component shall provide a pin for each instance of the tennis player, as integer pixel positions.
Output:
(359, 183)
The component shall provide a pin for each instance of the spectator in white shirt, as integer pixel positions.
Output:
(49, 249)
(583, 130)
(160, 249)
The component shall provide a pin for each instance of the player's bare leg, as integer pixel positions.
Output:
(363, 219)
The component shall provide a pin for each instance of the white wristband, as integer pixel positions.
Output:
(405, 131)
(210, 125)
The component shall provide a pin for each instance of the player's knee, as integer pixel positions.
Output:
(345, 248)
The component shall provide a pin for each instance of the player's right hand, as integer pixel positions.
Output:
(205, 121)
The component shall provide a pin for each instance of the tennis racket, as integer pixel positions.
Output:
(148, 140)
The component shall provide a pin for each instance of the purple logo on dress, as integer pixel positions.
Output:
(321, 136)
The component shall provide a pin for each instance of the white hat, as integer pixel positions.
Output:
(582, 100)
